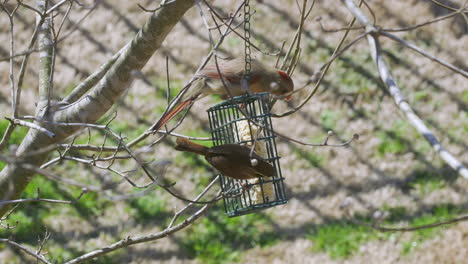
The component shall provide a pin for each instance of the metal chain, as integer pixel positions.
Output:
(248, 59)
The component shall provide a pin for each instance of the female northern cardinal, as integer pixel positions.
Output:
(208, 81)
(231, 160)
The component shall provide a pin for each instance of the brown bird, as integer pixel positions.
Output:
(231, 160)
(208, 81)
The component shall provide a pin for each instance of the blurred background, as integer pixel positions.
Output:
(391, 168)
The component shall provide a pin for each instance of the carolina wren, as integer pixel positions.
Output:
(231, 160)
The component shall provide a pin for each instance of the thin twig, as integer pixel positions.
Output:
(12, 53)
(378, 227)
(57, 6)
(425, 54)
(24, 63)
(17, 201)
(233, 29)
(326, 66)
(7, 135)
(163, 4)
(25, 249)
(179, 97)
(438, 19)
(445, 6)
(207, 188)
(398, 97)
(42, 242)
(39, 199)
(20, 122)
(92, 80)
(141, 239)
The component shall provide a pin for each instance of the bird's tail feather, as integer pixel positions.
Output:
(196, 89)
(167, 117)
(187, 145)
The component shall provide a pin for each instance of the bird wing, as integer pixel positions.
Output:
(230, 149)
(234, 150)
(231, 70)
(213, 73)
(233, 169)
(234, 161)
(247, 172)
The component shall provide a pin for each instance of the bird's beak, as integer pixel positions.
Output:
(288, 98)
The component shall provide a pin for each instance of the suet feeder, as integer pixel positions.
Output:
(246, 120)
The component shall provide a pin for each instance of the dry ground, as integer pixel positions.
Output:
(375, 171)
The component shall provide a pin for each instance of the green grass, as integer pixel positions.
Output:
(437, 214)
(161, 84)
(16, 137)
(464, 96)
(126, 130)
(328, 118)
(423, 96)
(342, 238)
(312, 156)
(57, 253)
(33, 219)
(394, 140)
(24, 224)
(18, 133)
(425, 181)
(233, 42)
(200, 133)
(219, 239)
(32, 216)
(150, 208)
(161, 93)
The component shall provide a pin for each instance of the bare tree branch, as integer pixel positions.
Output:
(18, 122)
(141, 239)
(7, 135)
(25, 249)
(99, 100)
(324, 69)
(92, 80)
(438, 19)
(39, 199)
(379, 216)
(424, 53)
(45, 42)
(400, 101)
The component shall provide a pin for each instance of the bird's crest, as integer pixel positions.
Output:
(284, 75)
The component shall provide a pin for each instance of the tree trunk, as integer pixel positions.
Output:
(13, 178)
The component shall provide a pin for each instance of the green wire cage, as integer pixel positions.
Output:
(246, 120)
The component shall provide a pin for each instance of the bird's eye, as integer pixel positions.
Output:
(274, 86)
